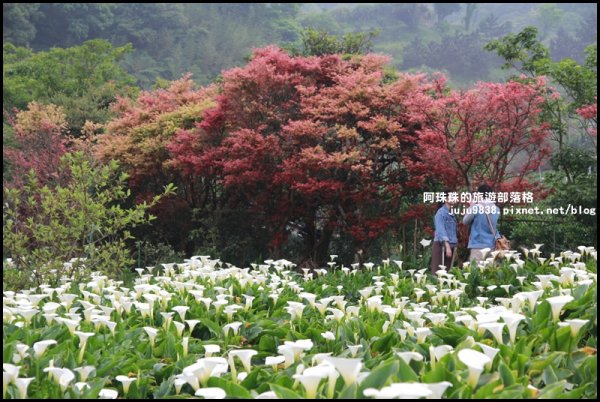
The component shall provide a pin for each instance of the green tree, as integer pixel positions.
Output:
(573, 178)
(69, 24)
(18, 22)
(521, 51)
(525, 53)
(562, 232)
(320, 42)
(84, 79)
(48, 230)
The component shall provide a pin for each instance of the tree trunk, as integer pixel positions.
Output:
(311, 239)
(322, 249)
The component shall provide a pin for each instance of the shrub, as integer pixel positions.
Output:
(78, 219)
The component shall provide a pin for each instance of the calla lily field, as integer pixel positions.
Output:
(519, 326)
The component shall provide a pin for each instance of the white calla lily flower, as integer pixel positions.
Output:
(209, 350)
(22, 384)
(437, 389)
(403, 390)
(126, 381)
(84, 372)
(495, 329)
(152, 333)
(354, 349)
(408, 356)
(348, 368)
(245, 356)
(310, 383)
(106, 393)
(489, 352)
(475, 361)
(211, 393)
(557, 303)
(512, 321)
(274, 361)
(234, 326)
(576, 325)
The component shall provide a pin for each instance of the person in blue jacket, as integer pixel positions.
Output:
(444, 239)
(483, 218)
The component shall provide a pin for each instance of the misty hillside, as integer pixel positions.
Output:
(170, 39)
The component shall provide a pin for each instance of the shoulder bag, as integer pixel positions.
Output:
(502, 243)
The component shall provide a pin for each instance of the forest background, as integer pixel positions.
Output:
(66, 65)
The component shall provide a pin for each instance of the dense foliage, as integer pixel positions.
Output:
(84, 80)
(50, 230)
(525, 328)
(572, 120)
(312, 148)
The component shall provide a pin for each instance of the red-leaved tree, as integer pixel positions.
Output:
(316, 146)
(492, 133)
(40, 135)
(138, 139)
(312, 148)
(590, 114)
